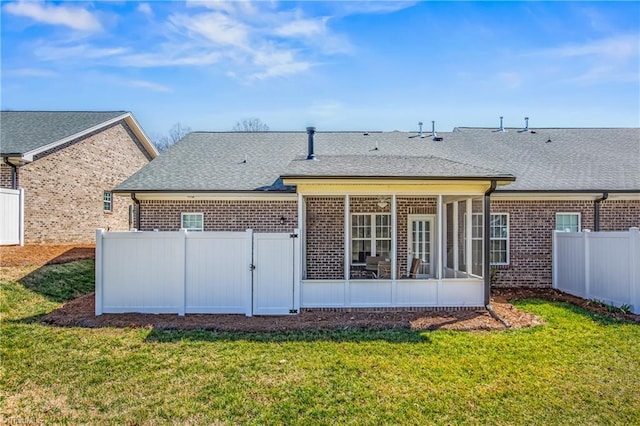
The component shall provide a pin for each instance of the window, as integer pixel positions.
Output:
(107, 201)
(192, 221)
(370, 236)
(568, 222)
(476, 243)
(499, 234)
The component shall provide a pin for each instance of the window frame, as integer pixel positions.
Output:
(507, 239)
(568, 214)
(201, 215)
(373, 238)
(106, 202)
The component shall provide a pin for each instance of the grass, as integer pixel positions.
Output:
(578, 369)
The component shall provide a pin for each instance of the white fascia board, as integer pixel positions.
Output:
(142, 136)
(195, 196)
(571, 196)
(127, 117)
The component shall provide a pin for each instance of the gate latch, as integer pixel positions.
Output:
(293, 235)
(252, 267)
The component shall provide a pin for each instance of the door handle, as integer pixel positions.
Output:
(252, 267)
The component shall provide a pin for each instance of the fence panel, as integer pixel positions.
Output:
(570, 263)
(218, 278)
(11, 214)
(599, 265)
(609, 272)
(142, 272)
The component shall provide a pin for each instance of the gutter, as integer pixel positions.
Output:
(487, 243)
(137, 202)
(596, 211)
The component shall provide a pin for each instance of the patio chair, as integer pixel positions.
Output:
(415, 268)
(384, 269)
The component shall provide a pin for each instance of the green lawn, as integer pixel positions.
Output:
(578, 369)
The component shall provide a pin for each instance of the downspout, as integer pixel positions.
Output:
(14, 173)
(135, 200)
(596, 211)
(487, 242)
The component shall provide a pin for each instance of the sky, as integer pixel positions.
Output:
(363, 65)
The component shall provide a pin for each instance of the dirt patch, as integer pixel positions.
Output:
(40, 255)
(80, 313)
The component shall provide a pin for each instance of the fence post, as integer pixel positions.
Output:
(98, 263)
(554, 260)
(634, 273)
(587, 269)
(182, 294)
(21, 216)
(248, 295)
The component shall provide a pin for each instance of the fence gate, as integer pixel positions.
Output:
(274, 274)
(11, 216)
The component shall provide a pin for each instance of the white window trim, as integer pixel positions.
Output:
(373, 237)
(501, 239)
(569, 213)
(110, 209)
(182, 215)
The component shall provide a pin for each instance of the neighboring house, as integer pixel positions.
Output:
(392, 197)
(67, 163)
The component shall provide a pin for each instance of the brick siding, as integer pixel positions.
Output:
(325, 238)
(221, 215)
(64, 186)
(531, 224)
(6, 179)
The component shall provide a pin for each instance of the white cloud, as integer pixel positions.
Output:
(29, 72)
(73, 17)
(50, 52)
(277, 63)
(621, 47)
(145, 9)
(303, 28)
(510, 80)
(148, 85)
(148, 60)
(215, 27)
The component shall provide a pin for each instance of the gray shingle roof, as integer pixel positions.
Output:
(25, 131)
(575, 159)
(385, 166)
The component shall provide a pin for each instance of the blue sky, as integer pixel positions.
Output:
(334, 65)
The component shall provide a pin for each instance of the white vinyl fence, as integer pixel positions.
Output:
(599, 265)
(11, 216)
(196, 272)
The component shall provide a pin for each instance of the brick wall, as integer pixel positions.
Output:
(6, 172)
(64, 186)
(325, 238)
(221, 215)
(531, 224)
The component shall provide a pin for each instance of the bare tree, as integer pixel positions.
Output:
(177, 132)
(252, 124)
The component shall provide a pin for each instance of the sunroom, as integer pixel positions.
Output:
(394, 241)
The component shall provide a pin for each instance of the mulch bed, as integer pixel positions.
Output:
(40, 255)
(80, 313)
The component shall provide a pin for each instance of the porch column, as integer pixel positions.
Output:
(486, 211)
(347, 266)
(468, 236)
(440, 222)
(394, 238)
(302, 236)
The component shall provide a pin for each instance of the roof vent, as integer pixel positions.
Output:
(526, 124)
(420, 131)
(310, 142)
(549, 139)
(501, 126)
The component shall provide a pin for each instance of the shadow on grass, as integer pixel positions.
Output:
(61, 282)
(338, 336)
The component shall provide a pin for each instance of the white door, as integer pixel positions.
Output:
(273, 276)
(420, 241)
